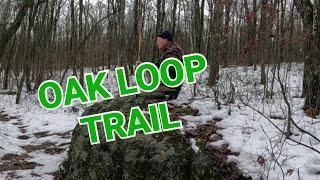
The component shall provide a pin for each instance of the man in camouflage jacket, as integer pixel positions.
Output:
(170, 49)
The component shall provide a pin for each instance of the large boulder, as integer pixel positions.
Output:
(160, 156)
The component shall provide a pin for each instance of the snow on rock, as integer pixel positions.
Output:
(194, 145)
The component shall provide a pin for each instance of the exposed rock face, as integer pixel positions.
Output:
(160, 156)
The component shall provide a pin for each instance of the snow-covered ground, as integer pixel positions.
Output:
(33, 129)
(34, 139)
(41, 137)
(246, 122)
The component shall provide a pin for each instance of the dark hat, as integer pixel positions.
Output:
(166, 35)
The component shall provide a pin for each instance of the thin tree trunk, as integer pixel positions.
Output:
(20, 86)
(174, 11)
(214, 49)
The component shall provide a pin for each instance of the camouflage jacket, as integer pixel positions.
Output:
(172, 51)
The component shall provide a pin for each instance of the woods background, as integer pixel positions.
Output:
(39, 38)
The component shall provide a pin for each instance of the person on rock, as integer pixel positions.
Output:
(169, 49)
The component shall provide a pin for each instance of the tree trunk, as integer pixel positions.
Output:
(6, 75)
(225, 39)
(73, 39)
(251, 18)
(20, 86)
(214, 50)
(8, 33)
(174, 11)
(311, 82)
(159, 27)
(263, 38)
(81, 58)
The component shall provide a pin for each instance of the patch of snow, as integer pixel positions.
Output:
(194, 145)
(264, 151)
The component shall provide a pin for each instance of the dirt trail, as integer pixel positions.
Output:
(10, 162)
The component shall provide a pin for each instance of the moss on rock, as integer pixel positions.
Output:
(159, 156)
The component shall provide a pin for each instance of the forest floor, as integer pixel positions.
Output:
(35, 141)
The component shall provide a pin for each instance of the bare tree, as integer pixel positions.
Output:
(10, 31)
(214, 49)
(311, 21)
